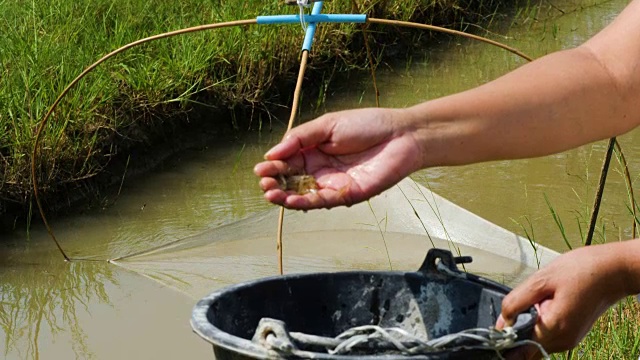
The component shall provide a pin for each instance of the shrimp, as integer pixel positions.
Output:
(301, 184)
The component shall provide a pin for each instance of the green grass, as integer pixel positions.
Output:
(146, 91)
(616, 335)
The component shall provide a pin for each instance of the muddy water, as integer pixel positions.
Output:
(50, 309)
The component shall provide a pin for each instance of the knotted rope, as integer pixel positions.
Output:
(376, 340)
(302, 4)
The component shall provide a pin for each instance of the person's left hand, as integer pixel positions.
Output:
(570, 294)
(353, 155)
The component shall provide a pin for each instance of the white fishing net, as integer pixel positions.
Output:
(393, 230)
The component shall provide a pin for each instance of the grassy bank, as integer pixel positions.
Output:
(143, 95)
(616, 335)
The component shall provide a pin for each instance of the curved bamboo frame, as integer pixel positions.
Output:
(294, 108)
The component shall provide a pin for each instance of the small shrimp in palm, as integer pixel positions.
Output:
(301, 184)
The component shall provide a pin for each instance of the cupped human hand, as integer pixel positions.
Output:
(569, 294)
(353, 155)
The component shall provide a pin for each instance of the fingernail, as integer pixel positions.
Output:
(272, 151)
(501, 323)
(269, 152)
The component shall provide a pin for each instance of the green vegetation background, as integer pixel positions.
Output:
(145, 94)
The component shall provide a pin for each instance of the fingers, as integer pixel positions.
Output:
(303, 136)
(269, 183)
(533, 291)
(275, 196)
(271, 168)
(500, 323)
(323, 198)
(287, 148)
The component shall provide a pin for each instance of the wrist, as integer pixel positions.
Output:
(437, 134)
(630, 265)
(617, 263)
(413, 123)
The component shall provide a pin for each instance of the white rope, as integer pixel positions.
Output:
(303, 4)
(375, 338)
(372, 337)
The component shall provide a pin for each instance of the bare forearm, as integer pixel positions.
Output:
(619, 263)
(629, 255)
(561, 101)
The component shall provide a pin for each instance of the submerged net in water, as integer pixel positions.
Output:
(394, 230)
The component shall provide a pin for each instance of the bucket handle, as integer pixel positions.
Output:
(446, 258)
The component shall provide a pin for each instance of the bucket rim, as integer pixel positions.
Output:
(217, 337)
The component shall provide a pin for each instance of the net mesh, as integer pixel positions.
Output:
(394, 230)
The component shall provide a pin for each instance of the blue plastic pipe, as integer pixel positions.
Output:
(312, 21)
(320, 18)
(311, 28)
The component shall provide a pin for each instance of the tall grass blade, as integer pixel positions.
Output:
(558, 221)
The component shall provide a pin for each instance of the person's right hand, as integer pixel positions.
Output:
(570, 294)
(353, 155)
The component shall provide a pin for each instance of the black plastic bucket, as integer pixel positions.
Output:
(436, 300)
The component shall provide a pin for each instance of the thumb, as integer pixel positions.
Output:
(501, 323)
(312, 133)
(533, 291)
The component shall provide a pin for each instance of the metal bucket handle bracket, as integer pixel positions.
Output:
(443, 257)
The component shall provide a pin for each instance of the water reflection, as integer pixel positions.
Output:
(85, 310)
(45, 299)
(74, 309)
